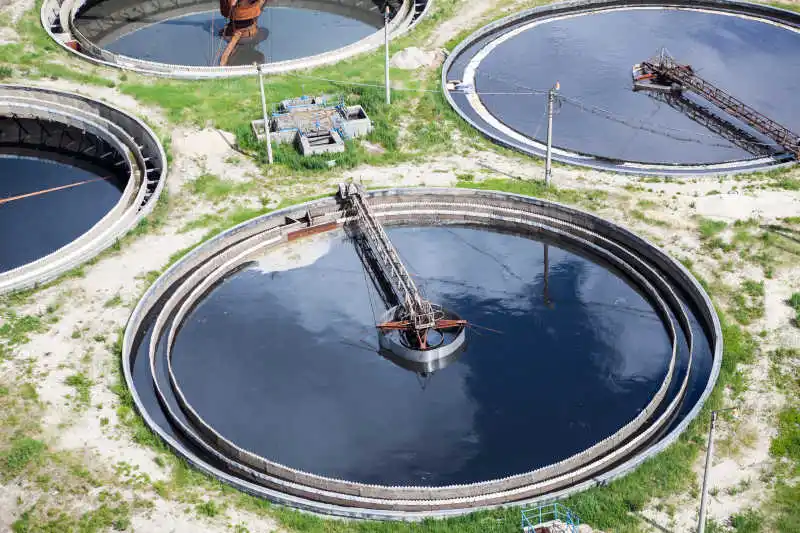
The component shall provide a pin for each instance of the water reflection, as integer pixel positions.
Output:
(284, 362)
(285, 33)
(592, 56)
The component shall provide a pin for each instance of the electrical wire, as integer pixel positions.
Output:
(677, 134)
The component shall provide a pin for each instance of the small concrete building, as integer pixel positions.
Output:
(316, 125)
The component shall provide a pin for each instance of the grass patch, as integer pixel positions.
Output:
(104, 518)
(24, 451)
(748, 302)
(584, 197)
(642, 217)
(787, 442)
(709, 228)
(214, 189)
(209, 509)
(114, 301)
(16, 330)
(83, 387)
(794, 303)
(750, 521)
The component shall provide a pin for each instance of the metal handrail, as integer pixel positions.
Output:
(548, 513)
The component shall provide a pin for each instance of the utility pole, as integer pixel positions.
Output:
(551, 98)
(264, 112)
(701, 525)
(386, 50)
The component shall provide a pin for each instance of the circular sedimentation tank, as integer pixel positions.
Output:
(256, 357)
(188, 38)
(75, 174)
(750, 51)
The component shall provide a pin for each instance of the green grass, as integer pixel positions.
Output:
(16, 330)
(789, 184)
(23, 451)
(208, 508)
(794, 303)
(785, 505)
(748, 302)
(104, 518)
(214, 189)
(710, 228)
(787, 442)
(584, 197)
(38, 56)
(114, 301)
(643, 217)
(786, 6)
(83, 387)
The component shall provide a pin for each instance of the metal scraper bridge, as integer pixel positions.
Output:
(415, 316)
(665, 75)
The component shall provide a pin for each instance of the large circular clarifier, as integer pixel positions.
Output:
(590, 50)
(280, 340)
(260, 359)
(194, 39)
(192, 36)
(75, 175)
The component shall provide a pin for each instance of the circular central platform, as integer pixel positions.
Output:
(590, 48)
(257, 356)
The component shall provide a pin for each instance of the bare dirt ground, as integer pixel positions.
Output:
(54, 354)
(100, 302)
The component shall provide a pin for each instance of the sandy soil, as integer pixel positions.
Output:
(60, 353)
(15, 8)
(466, 17)
(92, 430)
(57, 353)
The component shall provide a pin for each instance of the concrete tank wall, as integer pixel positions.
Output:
(435, 206)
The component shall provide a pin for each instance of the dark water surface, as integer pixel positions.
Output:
(592, 56)
(287, 33)
(33, 227)
(283, 362)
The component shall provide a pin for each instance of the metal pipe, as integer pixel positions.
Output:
(386, 52)
(264, 112)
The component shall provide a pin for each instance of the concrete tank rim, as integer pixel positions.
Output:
(630, 463)
(398, 27)
(63, 99)
(586, 7)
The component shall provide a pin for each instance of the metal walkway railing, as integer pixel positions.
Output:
(666, 68)
(420, 310)
(553, 516)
